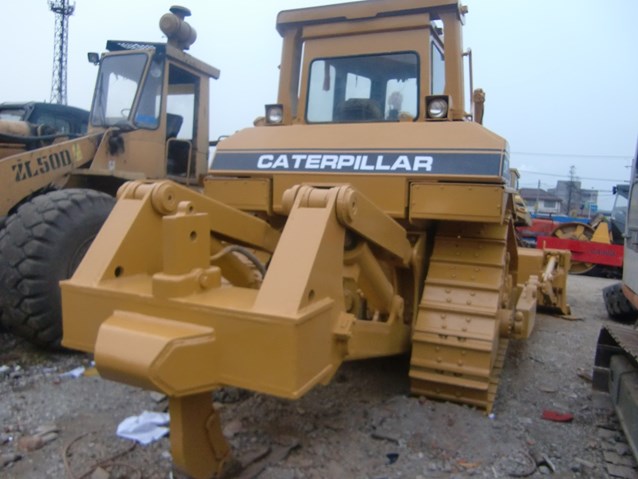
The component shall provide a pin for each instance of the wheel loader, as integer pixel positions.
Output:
(149, 119)
(59, 118)
(368, 213)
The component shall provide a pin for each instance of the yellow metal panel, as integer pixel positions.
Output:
(157, 349)
(360, 138)
(434, 201)
(477, 253)
(30, 171)
(530, 262)
(248, 194)
(357, 10)
(550, 267)
(488, 277)
(332, 30)
(374, 339)
(387, 193)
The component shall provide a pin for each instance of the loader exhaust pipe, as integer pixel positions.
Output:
(178, 32)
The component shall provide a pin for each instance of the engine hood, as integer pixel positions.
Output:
(455, 149)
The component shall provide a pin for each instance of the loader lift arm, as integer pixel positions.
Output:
(162, 302)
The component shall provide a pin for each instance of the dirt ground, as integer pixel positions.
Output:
(363, 425)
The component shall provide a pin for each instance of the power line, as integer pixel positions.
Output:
(534, 186)
(572, 155)
(577, 178)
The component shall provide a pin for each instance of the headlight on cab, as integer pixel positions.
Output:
(437, 107)
(274, 114)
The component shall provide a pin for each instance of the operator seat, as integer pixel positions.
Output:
(173, 125)
(359, 109)
(177, 154)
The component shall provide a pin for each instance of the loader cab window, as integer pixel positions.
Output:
(181, 121)
(57, 122)
(148, 109)
(183, 89)
(118, 81)
(370, 88)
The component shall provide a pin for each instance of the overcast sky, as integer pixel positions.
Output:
(560, 75)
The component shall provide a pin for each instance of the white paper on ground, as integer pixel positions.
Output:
(74, 373)
(145, 428)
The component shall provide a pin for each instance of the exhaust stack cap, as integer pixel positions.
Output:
(180, 12)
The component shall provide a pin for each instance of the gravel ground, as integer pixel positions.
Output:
(363, 425)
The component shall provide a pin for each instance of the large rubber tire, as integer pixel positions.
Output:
(618, 306)
(40, 245)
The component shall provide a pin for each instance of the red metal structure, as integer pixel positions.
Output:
(586, 252)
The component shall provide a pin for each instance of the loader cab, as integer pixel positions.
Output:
(155, 107)
(151, 103)
(61, 118)
(363, 62)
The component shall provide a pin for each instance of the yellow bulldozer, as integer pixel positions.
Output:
(149, 119)
(368, 213)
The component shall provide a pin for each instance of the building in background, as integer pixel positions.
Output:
(576, 201)
(567, 198)
(541, 202)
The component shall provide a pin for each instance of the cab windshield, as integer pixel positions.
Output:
(118, 81)
(363, 88)
(619, 210)
(12, 114)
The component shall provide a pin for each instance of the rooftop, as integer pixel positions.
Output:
(538, 194)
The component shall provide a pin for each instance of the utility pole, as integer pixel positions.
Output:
(62, 11)
(570, 188)
(538, 194)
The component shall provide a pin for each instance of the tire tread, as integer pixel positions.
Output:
(618, 306)
(31, 244)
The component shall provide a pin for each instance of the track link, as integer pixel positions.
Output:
(457, 352)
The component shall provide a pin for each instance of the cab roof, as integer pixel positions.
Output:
(361, 10)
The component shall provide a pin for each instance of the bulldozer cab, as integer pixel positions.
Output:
(371, 94)
(158, 96)
(354, 67)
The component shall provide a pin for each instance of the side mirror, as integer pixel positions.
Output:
(93, 58)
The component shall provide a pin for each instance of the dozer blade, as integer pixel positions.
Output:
(153, 301)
